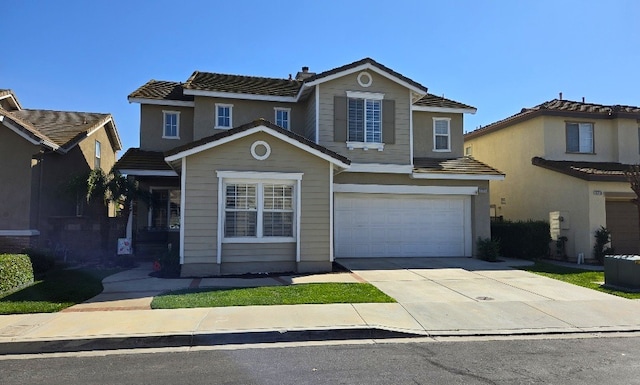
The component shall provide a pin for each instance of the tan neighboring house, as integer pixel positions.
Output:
(254, 174)
(40, 151)
(565, 163)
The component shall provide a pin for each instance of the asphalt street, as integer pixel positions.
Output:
(526, 361)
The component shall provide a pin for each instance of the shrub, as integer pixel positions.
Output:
(169, 264)
(15, 271)
(488, 249)
(600, 249)
(522, 239)
(42, 260)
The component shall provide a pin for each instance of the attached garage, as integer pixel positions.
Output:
(402, 225)
(622, 222)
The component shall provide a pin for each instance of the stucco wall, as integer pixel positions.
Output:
(152, 127)
(423, 135)
(15, 173)
(398, 153)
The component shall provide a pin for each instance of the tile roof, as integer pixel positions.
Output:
(160, 89)
(430, 100)
(463, 165)
(590, 171)
(137, 159)
(557, 107)
(254, 85)
(256, 123)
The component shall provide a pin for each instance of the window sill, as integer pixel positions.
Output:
(171, 137)
(365, 146)
(442, 150)
(222, 127)
(259, 240)
(580, 153)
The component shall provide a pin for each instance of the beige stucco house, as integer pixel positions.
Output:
(40, 152)
(565, 163)
(259, 174)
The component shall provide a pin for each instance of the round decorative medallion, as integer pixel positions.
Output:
(364, 79)
(260, 150)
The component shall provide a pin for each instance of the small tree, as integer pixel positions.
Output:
(633, 176)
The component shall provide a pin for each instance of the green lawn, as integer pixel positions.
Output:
(312, 293)
(57, 290)
(580, 277)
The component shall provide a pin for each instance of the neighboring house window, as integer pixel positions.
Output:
(171, 125)
(468, 151)
(96, 163)
(165, 210)
(282, 117)
(580, 137)
(259, 210)
(441, 134)
(224, 115)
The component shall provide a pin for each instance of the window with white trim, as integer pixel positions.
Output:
(364, 120)
(98, 155)
(259, 210)
(282, 117)
(579, 137)
(224, 115)
(171, 124)
(165, 209)
(441, 134)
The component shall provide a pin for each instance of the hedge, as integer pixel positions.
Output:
(522, 239)
(15, 271)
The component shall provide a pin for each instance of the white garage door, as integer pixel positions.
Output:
(386, 225)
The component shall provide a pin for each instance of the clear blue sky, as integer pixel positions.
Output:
(498, 56)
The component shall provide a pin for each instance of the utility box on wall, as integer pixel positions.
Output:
(558, 221)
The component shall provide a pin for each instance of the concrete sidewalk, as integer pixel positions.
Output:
(436, 297)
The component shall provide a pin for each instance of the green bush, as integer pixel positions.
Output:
(42, 260)
(600, 249)
(15, 271)
(522, 239)
(488, 249)
(169, 264)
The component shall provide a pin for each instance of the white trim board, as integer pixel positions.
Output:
(435, 175)
(260, 175)
(405, 189)
(471, 111)
(251, 131)
(381, 168)
(19, 233)
(126, 171)
(163, 102)
(235, 95)
(183, 202)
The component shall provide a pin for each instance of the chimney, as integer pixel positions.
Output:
(583, 99)
(560, 96)
(304, 74)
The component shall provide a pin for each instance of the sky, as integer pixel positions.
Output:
(498, 56)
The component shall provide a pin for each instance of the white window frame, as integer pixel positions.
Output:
(288, 120)
(448, 135)
(224, 105)
(97, 162)
(580, 125)
(164, 124)
(364, 144)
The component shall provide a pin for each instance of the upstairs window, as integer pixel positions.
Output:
(224, 115)
(441, 134)
(171, 125)
(96, 162)
(364, 120)
(282, 117)
(579, 137)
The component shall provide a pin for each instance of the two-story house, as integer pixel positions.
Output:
(258, 174)
(41, 152)
(565, 162)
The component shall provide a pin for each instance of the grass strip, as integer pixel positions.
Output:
(585, 278)
(56, 290)
(312, 293)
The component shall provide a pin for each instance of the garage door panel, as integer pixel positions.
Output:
(383, 225)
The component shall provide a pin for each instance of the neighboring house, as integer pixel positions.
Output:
(41, 151)
(254, 174)
(565, 163)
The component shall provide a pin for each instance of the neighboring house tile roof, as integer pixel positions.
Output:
(64, 129)
(430, 100)
(590, 171)
(160, 89)
(463, 165)
(557, 107)
(137, 159)
(254, 85)
(256, 123)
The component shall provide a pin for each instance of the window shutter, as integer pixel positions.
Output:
(339, 119)
(389, 121)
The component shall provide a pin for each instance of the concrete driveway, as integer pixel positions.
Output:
(466, 294)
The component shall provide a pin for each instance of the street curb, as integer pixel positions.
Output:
(188, 340)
